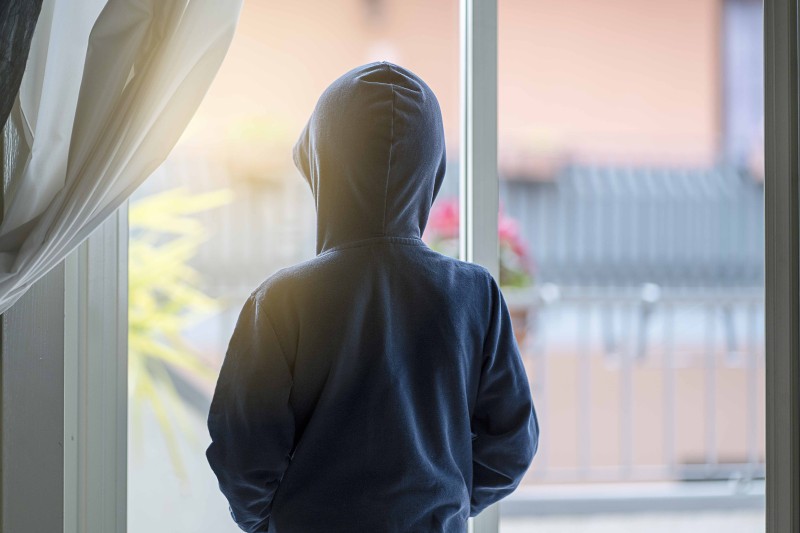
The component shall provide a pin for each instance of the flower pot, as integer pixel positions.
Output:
(519, 321)
(521, 305)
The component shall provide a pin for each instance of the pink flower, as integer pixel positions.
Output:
(442, 233)
(508, 233)
(443, 220)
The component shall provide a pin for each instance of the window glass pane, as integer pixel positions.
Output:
(631, 183)
(228, 209)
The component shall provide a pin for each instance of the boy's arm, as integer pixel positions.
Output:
(250, 420)
(504, 420)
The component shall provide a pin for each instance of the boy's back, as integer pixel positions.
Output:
(377, 387)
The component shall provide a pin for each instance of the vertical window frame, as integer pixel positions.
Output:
(782, 265)
(478, 179)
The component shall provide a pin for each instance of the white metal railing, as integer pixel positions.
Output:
(646, 337)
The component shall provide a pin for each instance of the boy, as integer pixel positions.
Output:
(377, 387)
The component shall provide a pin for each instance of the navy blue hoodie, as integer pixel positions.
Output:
(377, 387)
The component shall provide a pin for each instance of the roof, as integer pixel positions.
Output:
(627, 226)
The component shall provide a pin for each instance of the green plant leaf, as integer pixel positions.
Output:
(164, 300)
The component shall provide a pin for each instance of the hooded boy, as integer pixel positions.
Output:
(377, 387)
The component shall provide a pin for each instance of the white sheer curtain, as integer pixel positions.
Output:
(108, 89)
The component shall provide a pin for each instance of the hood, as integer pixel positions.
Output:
(373, 154)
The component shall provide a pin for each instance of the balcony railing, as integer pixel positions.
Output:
(645, 384)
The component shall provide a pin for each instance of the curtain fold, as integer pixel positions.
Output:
(109, 88)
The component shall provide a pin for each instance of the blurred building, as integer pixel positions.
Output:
(610, 82)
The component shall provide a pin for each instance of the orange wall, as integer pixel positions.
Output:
(610, 80)
(627, 80)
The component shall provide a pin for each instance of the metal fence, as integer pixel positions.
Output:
(619, 226)
(682, 370)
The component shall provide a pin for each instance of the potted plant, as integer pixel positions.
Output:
(164, 299)
(516, 265)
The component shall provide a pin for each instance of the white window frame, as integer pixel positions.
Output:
(478, 181)
(96, 381)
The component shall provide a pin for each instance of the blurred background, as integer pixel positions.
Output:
(631, 230)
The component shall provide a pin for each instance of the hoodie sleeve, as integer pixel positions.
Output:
(504, 424)
(250, 420)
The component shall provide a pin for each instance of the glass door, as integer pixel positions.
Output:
(630, 158)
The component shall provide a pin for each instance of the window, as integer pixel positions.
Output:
(628, 169)
(631, 211)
